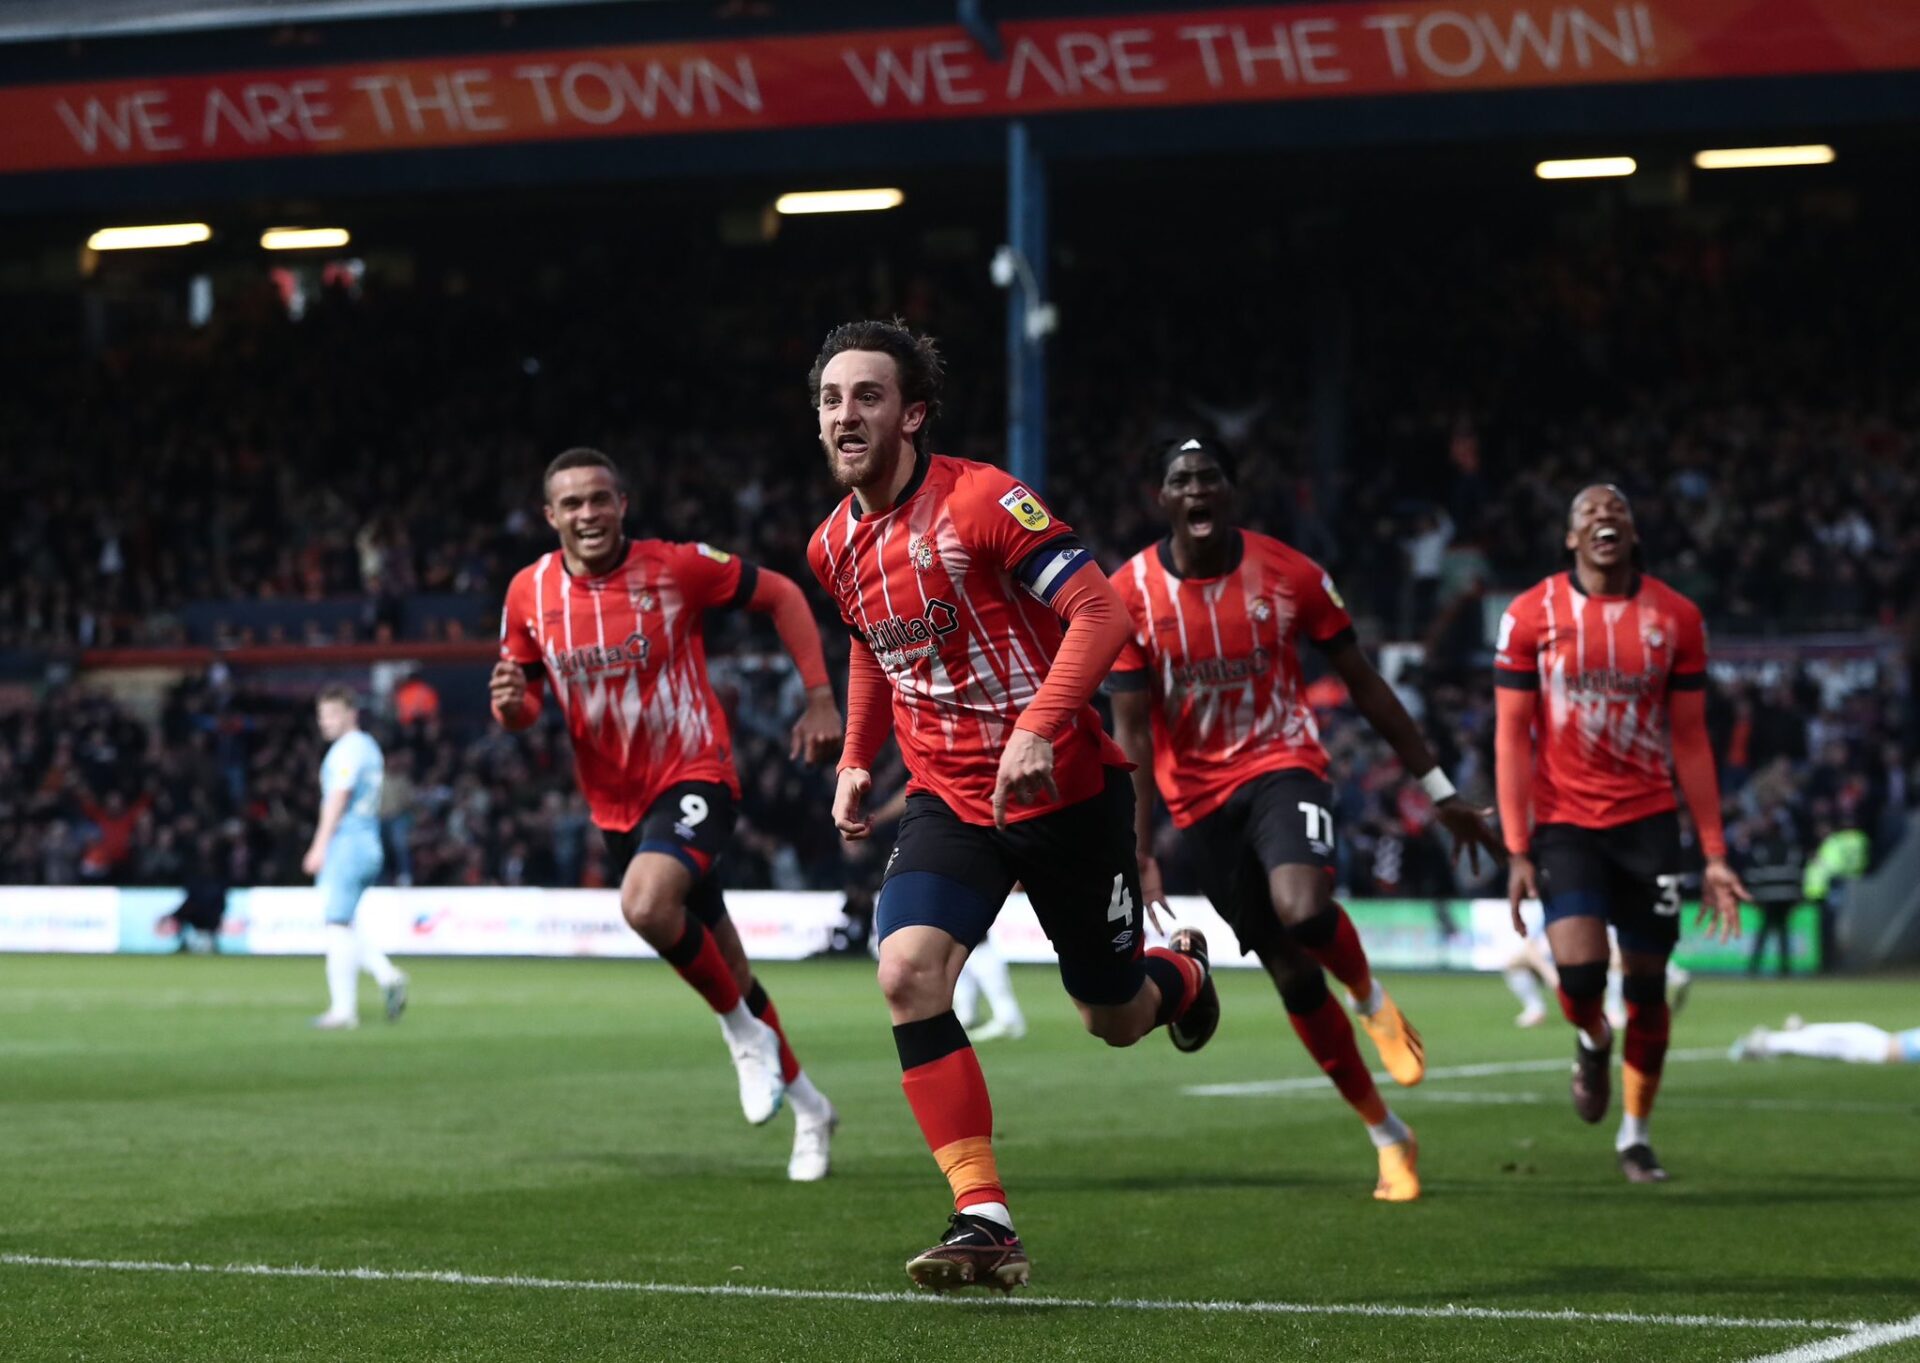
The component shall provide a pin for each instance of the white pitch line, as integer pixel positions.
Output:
(1258, 1308)
(1260, 1088)
(1845, 1346)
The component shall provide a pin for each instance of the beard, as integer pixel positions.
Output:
(874, 464)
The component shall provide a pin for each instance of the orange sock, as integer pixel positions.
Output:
(948, 1094)
(1644, 1054)
(697, 957)
(1179, 978)
(1328, 1036)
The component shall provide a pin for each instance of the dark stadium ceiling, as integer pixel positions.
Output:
(25, 21)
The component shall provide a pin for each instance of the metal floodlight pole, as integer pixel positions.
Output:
(1020, 267)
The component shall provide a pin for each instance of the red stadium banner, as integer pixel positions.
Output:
(1257, 53)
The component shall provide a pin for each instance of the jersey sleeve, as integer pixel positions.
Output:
(1516, 651)
(518, 643)
(1323, 613)
(1130, 668)
(711, 578)
(1689, 672)
(342, 767)
(1005, 522)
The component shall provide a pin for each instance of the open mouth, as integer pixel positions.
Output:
(593, 537)
(1606, 535)
(851, 445)
(1200, 521)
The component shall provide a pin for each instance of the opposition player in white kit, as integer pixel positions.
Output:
(345, 858)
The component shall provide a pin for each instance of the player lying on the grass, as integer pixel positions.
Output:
(981, 631)
(1209, 703)
(1593, 667)
(345, 859)
(615, 627)
(1857, 1043)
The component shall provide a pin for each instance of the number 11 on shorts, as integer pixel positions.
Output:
(1319, 823)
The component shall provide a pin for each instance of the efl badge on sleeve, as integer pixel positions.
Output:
(1024, 507)
(717, 555)
(1333, 592)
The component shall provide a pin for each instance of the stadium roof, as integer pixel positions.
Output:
(28, 21)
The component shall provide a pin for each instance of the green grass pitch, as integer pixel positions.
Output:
(576, 1122)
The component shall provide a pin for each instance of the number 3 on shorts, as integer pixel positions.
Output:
(1666, 902)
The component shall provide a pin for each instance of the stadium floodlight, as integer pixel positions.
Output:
(1587, 168)
(141, 238)
(1749, 158)
(303, 238)
(837, 201)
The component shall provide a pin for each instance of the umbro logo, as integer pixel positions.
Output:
(1123, 940)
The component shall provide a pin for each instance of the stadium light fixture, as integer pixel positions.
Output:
(1749, 158)
(1587, 168)
(141, 238)
(303, 238)
(837, 201)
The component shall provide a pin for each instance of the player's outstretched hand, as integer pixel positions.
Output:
(848, 798)
(1522, 884)
(1472, 830)
(1721, 895)
(508, 687)
(1026, 774)
(817, 734)
(1153, 893)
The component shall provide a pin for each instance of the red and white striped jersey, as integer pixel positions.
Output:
(951, 589)
(1219, 656)
(1604, 666)
(626, 655)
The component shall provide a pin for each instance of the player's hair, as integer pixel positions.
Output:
(581, 457)
(1200, 444)
(338, 694)
(916, 358)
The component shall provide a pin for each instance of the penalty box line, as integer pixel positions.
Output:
(452, 1278)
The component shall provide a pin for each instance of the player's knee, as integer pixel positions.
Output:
(1303, 991)
(1115, 1026)
(911, 985)
(1644, 990)
(1313, 927)
(653, 911)
(1587, 981)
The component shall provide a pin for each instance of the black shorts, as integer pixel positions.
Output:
(691, 822)
(1076, 864)
(1281, 818)
(1628, 875)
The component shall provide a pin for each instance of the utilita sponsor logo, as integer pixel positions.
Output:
(1606, 681)
(596, 658)
(1222, 671)
(909, 637)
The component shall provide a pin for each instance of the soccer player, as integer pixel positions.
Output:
(345, 858)
(980, 636)
(615, 627)
(1601, 675)
(1209, 703)
(1857, 1043)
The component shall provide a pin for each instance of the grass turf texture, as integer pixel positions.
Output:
(577, 1120)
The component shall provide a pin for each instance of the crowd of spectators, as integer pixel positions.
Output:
(223, 783)
(1413, 409)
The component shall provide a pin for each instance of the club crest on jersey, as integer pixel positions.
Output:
(1260, 609)
(1024, 507)
(641, 599)
(1656, 640)
(920, 554)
